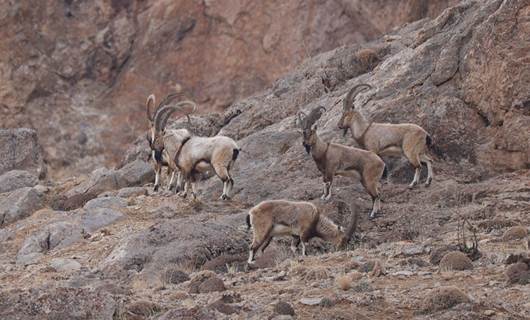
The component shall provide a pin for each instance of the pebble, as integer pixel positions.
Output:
(311, 301)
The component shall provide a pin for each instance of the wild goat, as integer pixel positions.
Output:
(191, 154)
(335, 159)
(387, 139)
(299, 219)
(159, 160)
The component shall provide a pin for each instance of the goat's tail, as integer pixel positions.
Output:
(248, 222)
(235, 153)
(433, 148)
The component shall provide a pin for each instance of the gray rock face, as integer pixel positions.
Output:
(56, 235)
(186, 240)
(65, 265)
(16, 179)
(106, 202)
(20, 150)
(18, 204)
(93, 219)
(132, 192)
(56, 304)
(135, 173)
(101, 180)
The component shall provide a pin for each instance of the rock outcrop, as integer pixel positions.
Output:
(87, 67)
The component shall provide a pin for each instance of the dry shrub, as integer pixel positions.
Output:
(318, 273)
(443, 298)
(495, 224)
(515, 233)
(367, 57)
(518, 273)
(283, 308)
(141, 310)
(344, 282)
(174, 276)
(438, 253)
(455, 260)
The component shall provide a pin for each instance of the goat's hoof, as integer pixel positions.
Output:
(224, 197)
(428, 182)
(155, 189)
(411, 186)
(182, 195)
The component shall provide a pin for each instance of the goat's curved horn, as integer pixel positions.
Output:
(169, 98)
(150, 102)
(352, 94)
(164, 114)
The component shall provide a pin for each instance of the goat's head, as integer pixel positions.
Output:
(308, 126)
(159, 120)
(348, 108)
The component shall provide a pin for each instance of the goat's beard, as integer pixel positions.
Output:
(344, 131)
(307, 148)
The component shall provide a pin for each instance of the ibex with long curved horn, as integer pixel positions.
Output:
(191, 155)
(302, 220)
(335, 159)
(159, 139)
(387, 139)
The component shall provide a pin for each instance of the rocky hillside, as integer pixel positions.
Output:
(105, 246)
(88, 66)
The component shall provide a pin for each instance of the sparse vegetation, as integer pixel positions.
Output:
(443, 298)
(515, 233)
(344, 282)
(455, 260)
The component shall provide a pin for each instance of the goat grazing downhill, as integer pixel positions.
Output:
(302, 220)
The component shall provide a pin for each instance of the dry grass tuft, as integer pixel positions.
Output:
(455, 260)
(174, 276)
(515, 233)
(319, 273)
(141, 309)
(443, 298)
(367, 57)
(517, 273)
(344, 282)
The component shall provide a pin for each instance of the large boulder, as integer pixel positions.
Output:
(19, 204)
(16, 179)
(185, 241)
(20, 150)
(102, 180)
(59, 234)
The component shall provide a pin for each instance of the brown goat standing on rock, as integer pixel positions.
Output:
(335, 159)
(387, 139)
(302, 220)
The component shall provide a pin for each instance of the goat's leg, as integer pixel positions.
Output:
(266, 244)
(170, 184)
(180, 182)
(428, 161)
(416, 177)
(294, 243)
(158, 171)
(222, 173)
(328, 182)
